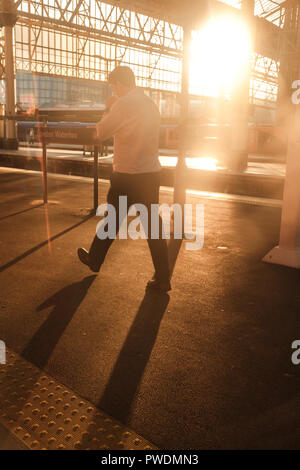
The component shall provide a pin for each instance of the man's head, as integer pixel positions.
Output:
(122, 80)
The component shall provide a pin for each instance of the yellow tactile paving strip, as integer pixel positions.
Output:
(44, 414)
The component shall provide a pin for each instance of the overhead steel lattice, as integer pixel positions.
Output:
(2, 88)
(270, 10)
(265, 68)
(88, 38)
(285, 15)
(85, 39)
(280, 45)
(1, 54)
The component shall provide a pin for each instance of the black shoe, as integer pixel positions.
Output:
(84, 257)
(162, 286)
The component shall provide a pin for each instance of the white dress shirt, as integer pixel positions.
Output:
(134, 121)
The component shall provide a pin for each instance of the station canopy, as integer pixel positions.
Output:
(182, 12)
(193, 13)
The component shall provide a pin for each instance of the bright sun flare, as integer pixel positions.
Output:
(219, 51)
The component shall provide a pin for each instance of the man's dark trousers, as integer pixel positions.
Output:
(142, 188)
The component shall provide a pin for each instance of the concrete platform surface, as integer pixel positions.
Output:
(8, 441)
(207, 367)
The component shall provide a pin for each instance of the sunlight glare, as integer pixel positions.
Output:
(197, 163)
(219, 52)
(204, 163)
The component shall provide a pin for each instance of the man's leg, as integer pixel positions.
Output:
(100, 247)
(148, 195)
(159, 254)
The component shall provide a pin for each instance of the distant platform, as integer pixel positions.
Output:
(264, 176)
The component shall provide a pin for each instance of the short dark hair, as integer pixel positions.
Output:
(122, 74)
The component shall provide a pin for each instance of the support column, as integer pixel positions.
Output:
(179, 183)
(8, 18)
(287, 253)
(289, 43)
(96, 170)
(2, 124)
(11, 140)
(180, 170)
(284, 108)
(238, 159)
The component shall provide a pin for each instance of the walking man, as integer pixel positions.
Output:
(134, 120)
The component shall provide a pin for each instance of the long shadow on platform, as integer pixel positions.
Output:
(65, 303)
(40, 245)
(124, 381)
(174, 246)
(39, 349)
(20, 212)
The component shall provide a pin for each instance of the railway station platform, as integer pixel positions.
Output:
(264, 176)
(97, 361)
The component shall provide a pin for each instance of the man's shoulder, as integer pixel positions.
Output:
(139, 103)
(136, 95)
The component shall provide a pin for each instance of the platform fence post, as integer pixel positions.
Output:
(44, 174)
(96, 153)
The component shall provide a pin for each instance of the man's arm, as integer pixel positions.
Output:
(111, 122)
